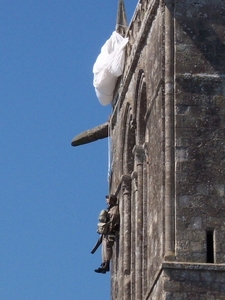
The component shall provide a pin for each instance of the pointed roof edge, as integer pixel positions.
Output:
(121, 20)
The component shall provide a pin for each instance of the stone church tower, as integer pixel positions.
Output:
(167, 133)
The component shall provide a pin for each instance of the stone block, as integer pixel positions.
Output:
(171, 286)
(207, 276)
(196, 223)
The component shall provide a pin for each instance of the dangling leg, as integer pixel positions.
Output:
(106, 256)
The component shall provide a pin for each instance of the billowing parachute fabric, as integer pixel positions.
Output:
(108, 67)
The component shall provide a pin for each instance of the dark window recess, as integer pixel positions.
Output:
(209, 247)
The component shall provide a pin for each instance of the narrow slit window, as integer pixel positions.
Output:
(209, 246)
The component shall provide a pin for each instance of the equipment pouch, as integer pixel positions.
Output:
(102, 228)
(103, 216)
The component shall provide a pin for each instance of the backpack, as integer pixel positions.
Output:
(103, 222)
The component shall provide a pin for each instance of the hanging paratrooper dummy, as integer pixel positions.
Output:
(108, 227)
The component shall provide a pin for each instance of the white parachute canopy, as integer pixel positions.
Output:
(108, 67)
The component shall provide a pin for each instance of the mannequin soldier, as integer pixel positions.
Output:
(108, 236)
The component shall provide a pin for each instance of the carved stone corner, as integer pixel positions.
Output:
(126, 184)
(169, 256)
(134, 175)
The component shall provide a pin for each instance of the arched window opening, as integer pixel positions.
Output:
(129, 145)
(140, 108)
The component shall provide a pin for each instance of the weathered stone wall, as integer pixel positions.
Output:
(152, 64)
(168, 153)
(189, 282)
(199, 128)
(137, 121)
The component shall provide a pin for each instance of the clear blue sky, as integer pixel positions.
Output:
(51, 193)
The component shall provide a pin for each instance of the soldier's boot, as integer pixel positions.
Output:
(107, 266)
(103, 268)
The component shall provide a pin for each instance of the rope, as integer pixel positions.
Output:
(109, 136)
(109, 151)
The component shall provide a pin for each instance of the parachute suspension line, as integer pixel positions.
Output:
(109, 152)
(109, 134)
(115, 100)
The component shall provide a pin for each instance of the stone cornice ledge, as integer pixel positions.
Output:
(200, 76)
(124, 179)
(183, 266)
(193, 266)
